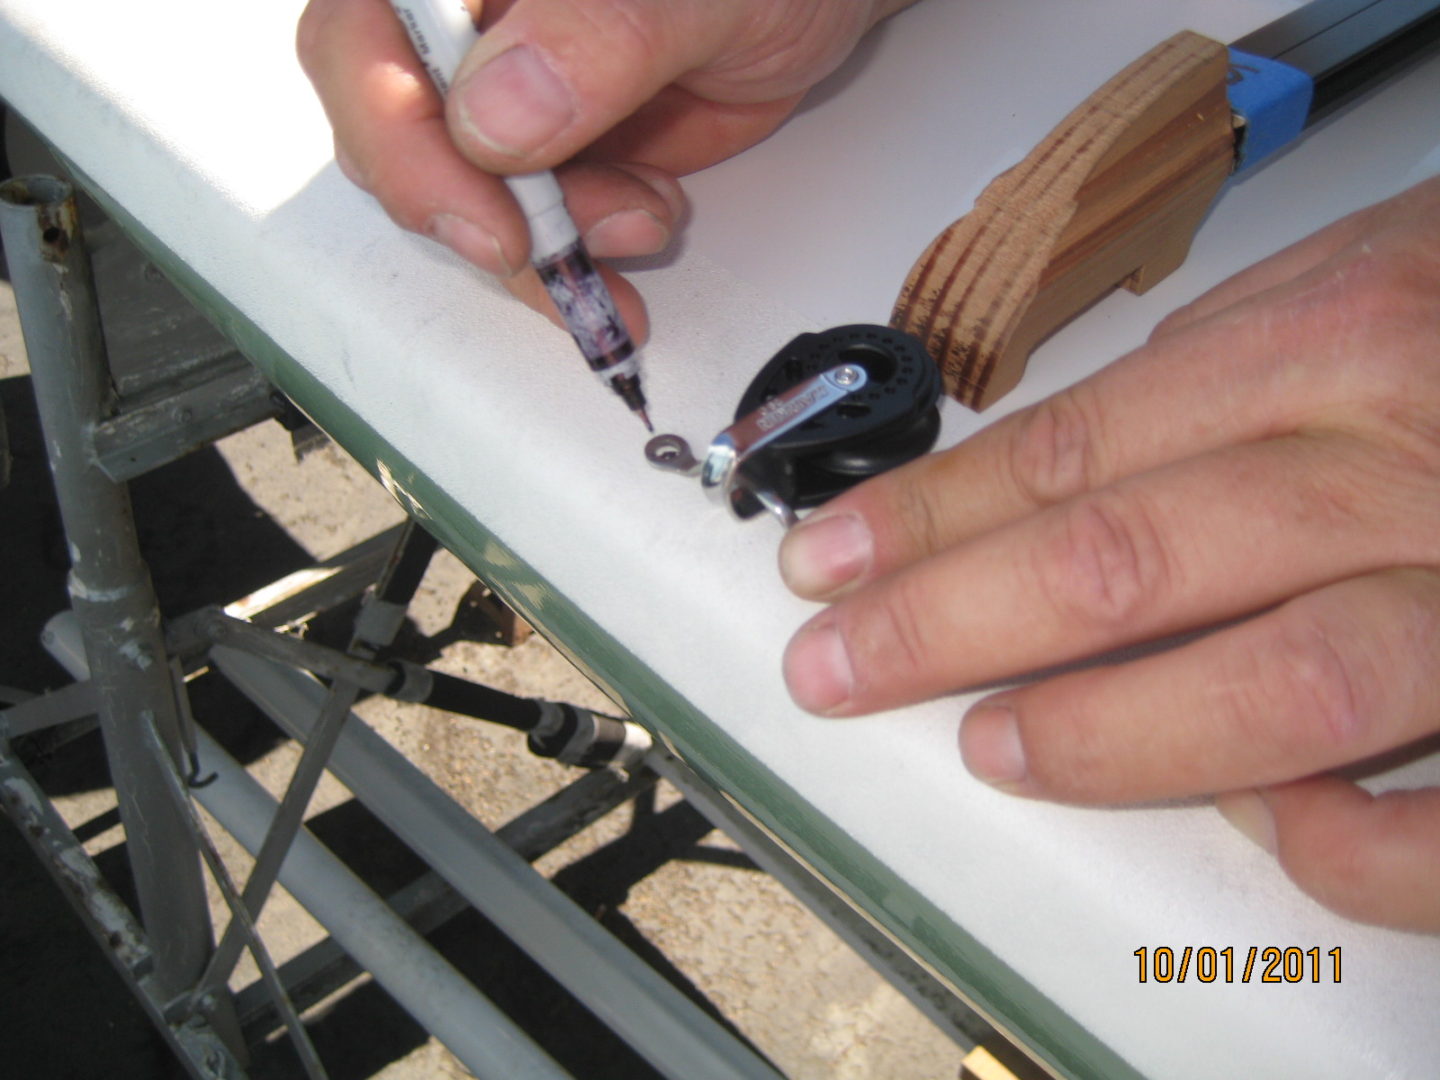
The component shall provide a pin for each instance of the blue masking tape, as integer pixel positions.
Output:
(1273, 98)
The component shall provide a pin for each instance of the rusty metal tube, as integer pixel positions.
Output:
(109, 582)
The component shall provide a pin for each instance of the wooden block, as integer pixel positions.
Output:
(483, 616)
(999, 1060)
(1111, 197)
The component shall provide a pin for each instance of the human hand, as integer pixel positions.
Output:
(1271, 455)
(619, 96)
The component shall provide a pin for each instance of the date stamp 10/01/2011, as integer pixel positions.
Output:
(1262, 964)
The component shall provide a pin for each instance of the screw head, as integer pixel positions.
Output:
(847, 375)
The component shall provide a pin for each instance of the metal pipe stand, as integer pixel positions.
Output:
(130, 668)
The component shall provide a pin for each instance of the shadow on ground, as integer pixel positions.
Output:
(67, 1013)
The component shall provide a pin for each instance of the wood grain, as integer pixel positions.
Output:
(1111, 197)
(997, 1059)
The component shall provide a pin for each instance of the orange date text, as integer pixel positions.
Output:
(1260, 964)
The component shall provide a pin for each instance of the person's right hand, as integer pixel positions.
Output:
(621, 95)
(1265, 471)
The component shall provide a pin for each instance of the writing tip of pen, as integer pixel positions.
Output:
(645, 419)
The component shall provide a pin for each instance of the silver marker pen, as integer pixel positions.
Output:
(442, 33)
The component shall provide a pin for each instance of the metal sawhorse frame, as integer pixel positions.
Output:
(130, 667)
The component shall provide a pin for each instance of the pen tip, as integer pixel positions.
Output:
(645, 419)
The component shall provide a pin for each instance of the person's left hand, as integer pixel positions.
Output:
(1272, 456)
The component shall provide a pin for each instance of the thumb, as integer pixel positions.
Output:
(1373, 858)
(551, 76)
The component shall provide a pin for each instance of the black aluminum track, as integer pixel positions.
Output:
(1347, 46)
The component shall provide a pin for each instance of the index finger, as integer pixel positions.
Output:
(392, 140)
(1265, 365)
(551, 76)
(389, 122)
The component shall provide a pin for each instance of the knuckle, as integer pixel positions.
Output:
(1054, 453)
(1397, 282)
(1415, 595)
(1087, 764)
(629, 28)
(1106, 566)
(396, 193)
(351, 168)
(1392, 323)
(403, 211)
(1177, 320)
(1411, 446)
(916, 514)
(791, 45)
(1305, 693)
(1334, 484)
(895, 638)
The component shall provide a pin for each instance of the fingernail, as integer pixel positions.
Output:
(817, 669)
(472, 242)
(1248, 812)
(515, 104)
(627, 232)
(664, 186)
(990, 745)
(821, 554)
